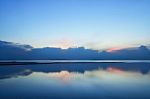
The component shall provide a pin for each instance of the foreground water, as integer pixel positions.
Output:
(130, 80)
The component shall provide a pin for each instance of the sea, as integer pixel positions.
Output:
(76, 79)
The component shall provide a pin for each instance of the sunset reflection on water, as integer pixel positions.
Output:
(76, 81)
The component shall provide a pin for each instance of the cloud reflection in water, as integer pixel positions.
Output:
(76, 81)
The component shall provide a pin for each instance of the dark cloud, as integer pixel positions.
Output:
(9, 50)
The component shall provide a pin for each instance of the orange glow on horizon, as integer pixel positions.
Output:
(114, 49)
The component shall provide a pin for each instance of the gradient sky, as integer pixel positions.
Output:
(96, 24)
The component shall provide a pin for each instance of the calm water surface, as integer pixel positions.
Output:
(76, 81)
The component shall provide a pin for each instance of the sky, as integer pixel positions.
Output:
(95, 24)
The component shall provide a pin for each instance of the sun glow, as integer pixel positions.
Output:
(114, 49)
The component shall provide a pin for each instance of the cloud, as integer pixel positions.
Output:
(9, 50)
(17, 45)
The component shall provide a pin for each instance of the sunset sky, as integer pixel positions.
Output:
(95, 24)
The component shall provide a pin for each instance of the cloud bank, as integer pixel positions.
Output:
(15, 51)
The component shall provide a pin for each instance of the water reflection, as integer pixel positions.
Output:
(24, 70)
(76, 81)
(100, 74)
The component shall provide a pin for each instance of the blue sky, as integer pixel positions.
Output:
(96, 24)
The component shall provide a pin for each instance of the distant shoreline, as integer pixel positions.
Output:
(34, 62)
